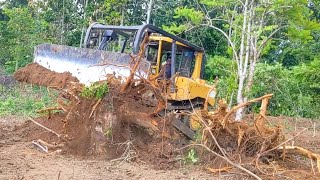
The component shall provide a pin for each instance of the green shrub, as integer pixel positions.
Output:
(223, 69)
(191, 156)
(296, 91)
(292, 97)
(96, 90)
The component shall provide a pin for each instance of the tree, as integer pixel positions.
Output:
(20, 34)
(249, 27)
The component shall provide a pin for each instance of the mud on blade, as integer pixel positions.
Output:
(88, 65)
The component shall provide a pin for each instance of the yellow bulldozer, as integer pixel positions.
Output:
(109, 50)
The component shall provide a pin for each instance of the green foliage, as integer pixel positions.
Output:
(186, 15)
(174, 29)
(292, 96)
(20, 34)
(216, 3)
(114, 9)
(309, 75)
(25, 100)
(191, 14)
(224, 69)
(301, 22)
(96, 90)
(108, 133)
(198, 135)
(192, 156)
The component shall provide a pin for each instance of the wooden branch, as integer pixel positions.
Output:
(281, 144)
(136, 65)
(44, 127)
(304, 152)
(234, 109)
(94, 108)
(260, 123)
(226, 159)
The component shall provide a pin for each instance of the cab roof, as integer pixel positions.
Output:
(139, 34)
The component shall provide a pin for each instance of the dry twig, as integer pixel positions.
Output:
(304, 152)
(227, 159)
(94, 108)
(44, 127)
(129, 152)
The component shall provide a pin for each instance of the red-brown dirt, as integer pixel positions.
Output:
(19, 159)
(102, 128)
(36, 74)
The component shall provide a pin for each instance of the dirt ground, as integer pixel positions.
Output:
(19, 159)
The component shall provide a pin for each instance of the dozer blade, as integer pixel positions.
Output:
(177, 123)
(88, 65)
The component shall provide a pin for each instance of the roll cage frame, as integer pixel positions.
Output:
(139, 33)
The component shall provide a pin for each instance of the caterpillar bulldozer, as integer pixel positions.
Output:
(109, 50)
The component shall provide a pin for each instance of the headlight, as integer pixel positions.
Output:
(212, 94)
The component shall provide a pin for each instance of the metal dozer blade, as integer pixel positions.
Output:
(88, 65)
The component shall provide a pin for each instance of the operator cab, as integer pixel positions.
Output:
(159, 49)
(186, 57)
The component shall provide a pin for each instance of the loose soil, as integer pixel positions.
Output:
(35, 74)
(19, 159)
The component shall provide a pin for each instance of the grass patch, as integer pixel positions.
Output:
(25, 100)
(96, 90)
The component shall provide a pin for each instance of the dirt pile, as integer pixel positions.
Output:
(35, 74)
(104, 127)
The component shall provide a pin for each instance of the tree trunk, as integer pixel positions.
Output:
(62, 24)
(149, 11)
(240, 97)
(84, 18)
(242, 66)
(251, 74)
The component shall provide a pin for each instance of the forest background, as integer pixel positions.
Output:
(253, 47)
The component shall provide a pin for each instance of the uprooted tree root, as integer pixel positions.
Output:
(234, 141)
(243, 138)
(117, 124)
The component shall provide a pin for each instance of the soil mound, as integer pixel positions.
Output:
(109, 127)
(36, 74)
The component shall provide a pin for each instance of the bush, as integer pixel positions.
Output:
(96, 90)
(292, 97)
(223, 69)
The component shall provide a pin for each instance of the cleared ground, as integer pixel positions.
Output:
(19, 159)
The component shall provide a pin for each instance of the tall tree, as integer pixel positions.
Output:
(249, 27)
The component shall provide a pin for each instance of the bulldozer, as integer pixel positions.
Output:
(109, 50)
